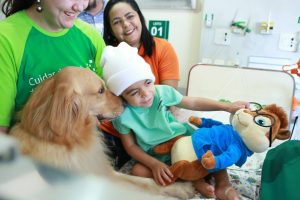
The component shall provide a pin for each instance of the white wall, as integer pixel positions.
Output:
(193, 41)
(284, 13)
(184, 35)
(1, 14)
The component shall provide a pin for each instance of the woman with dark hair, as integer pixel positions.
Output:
(37, 39)
(144, 38)
(124, 21)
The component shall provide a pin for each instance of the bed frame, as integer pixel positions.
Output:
(226, 83)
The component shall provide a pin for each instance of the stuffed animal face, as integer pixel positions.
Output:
(254, 136)
(254, 127)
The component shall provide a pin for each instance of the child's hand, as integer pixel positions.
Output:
(235, 106)
(161, 173)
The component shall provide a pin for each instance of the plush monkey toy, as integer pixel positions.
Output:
(215, 146)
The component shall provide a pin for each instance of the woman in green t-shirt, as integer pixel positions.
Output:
(37, 39)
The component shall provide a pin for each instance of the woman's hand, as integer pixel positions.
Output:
(161, 173)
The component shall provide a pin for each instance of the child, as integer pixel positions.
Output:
(146, 121)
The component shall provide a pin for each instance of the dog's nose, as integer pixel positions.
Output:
(100, 117)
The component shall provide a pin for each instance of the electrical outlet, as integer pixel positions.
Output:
(222, 36)
(209, 17)
(288, 42)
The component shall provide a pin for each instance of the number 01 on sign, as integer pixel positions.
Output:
(159, 28)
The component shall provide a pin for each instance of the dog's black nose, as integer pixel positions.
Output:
(100, 117)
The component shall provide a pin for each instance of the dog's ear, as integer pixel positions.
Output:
(34, 113)
(66, 111)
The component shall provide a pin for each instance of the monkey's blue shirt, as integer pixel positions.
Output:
(224, 142)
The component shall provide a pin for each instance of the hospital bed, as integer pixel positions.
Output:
(229, 84)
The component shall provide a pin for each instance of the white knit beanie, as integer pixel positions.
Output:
(122, 67)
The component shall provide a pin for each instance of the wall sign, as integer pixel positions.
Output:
(159, 28)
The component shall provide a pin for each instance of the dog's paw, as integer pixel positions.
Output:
(181, 190)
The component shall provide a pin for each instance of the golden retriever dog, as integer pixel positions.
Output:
(58, 126)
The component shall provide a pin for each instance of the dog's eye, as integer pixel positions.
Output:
(101, 90)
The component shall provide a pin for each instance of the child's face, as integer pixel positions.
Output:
(140, 94)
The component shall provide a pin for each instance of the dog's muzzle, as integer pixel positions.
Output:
(102, 118)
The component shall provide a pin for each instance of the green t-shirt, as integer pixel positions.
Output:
(156, 124)
(280, 172)
(30, 54)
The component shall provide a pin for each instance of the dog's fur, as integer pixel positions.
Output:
(58, 127)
